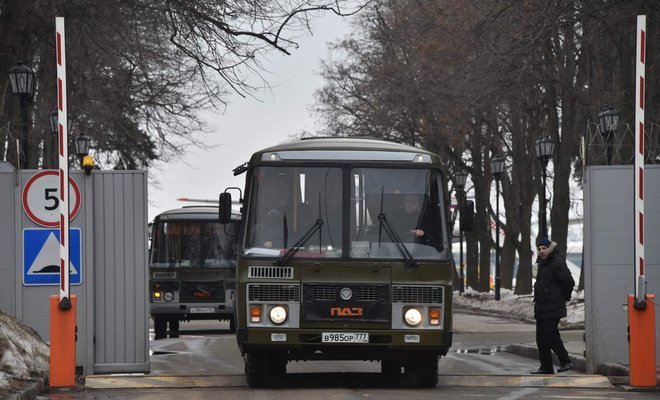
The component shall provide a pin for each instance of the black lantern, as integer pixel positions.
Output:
(608, 123)
(21, 79)
(52, 119)
(460, 178)
(544, 147)
(82, 142)
(54, 130)
(497, 165)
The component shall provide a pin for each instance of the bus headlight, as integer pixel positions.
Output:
(158, 296)
(168, 296)
(412, 316)
(278, 314)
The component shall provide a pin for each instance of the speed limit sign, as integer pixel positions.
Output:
(41, 198)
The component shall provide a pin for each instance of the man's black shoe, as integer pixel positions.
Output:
(542, 372)
(565, 367)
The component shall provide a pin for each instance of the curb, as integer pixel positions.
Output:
(529, 351)
(33, 389)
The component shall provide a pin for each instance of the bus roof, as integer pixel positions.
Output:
(201, 212)
(344, 149)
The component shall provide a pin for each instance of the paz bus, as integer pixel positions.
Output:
(192, 264)
(344, 254)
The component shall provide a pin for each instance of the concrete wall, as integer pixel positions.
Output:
(609, 245)
(112, 298)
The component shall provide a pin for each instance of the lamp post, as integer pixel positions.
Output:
(459, 180)
(497, 168)
(54, 130)
(21, 78)
(544, 147)
(608, 119)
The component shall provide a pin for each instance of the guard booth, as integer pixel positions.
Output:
(108, 261)
(609, 258)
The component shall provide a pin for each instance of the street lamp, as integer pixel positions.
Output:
(544, 147)
(459, 180)
(81, 143)
(21, 78)
(608, 119)
(497, 168)
(54, 130)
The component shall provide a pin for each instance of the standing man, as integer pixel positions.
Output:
(552, 290)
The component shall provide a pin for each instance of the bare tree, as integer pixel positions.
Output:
(139, 71)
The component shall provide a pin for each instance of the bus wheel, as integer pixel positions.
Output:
(427, 372)
(390, 367)
(174, 327)
(256, 369)
(160, 326)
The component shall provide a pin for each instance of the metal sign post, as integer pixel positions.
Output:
(62, 307)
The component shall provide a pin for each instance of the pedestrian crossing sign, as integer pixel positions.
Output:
(41, 257)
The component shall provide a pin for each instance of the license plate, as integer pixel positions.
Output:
(202, 310)
(344, 337)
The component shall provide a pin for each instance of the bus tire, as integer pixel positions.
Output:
(160, 327)
(427, 372)
(174, 327)
(390, 367)
(256, 369)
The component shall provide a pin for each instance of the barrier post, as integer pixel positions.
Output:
(62, 343)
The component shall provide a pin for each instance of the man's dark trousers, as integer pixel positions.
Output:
(547, 340)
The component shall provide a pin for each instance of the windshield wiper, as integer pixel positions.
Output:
(384, 223)
(301, 242)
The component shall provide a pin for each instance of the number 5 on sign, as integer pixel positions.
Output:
(41, 198)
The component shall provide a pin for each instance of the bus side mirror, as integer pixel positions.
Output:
(467, 217)
(224, 208)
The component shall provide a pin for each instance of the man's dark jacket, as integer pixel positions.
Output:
(553, 287)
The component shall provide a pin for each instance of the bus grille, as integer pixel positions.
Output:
(417, 294)
(362, 293)
(270, 272)
(164, 275)
(273, 292)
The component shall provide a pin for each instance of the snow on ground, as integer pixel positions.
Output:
(23, 354)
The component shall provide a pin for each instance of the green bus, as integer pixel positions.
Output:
(344, 254)
(192, 264)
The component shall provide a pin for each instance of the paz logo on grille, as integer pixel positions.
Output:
(346, 293)
(201, 293)
(346, 311)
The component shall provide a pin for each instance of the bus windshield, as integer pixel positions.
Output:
(191, 244)
(392, 213)
(395, 212)
(295, 206)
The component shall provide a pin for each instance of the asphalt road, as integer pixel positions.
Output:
(204, 362)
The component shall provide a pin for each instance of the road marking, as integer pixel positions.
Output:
(529, 383)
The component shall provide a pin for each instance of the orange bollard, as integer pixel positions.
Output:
(62, 343)
(641, 325)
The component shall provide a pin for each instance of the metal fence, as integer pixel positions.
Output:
(617, 148)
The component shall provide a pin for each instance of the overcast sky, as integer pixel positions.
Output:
(249, 124)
